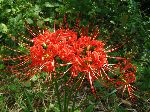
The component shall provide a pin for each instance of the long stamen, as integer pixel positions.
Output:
(80, 78)
(105, 74)
(13, 49)
(91, 83)
(14, 58)
(19, 65)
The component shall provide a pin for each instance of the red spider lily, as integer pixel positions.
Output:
(49, 45)
(89, 59)
(83, 53)
(127, 71)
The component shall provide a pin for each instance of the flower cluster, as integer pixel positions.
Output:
(83, 53)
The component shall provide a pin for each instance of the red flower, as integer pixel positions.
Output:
(127, 76)
(83, 53)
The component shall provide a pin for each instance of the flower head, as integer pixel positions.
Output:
(85, 55)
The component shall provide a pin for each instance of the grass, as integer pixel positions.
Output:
(39, 96)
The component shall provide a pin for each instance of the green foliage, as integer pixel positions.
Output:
(122, 17)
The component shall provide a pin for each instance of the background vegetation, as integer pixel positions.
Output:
(124, 18)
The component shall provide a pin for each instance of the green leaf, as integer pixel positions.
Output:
(27, 84)
(77, 111)
(30, 21)
(89, 108)
(47, 4)
(12, 87)
(1, 1)
(35, 77)
(48, 19)
(8, 10)
(2, 66)
(3, 28)
(112, 22)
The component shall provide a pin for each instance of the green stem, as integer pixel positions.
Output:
(65, 101)
(73, 105)
(29, 101)
(57, 93)
(66, 98)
